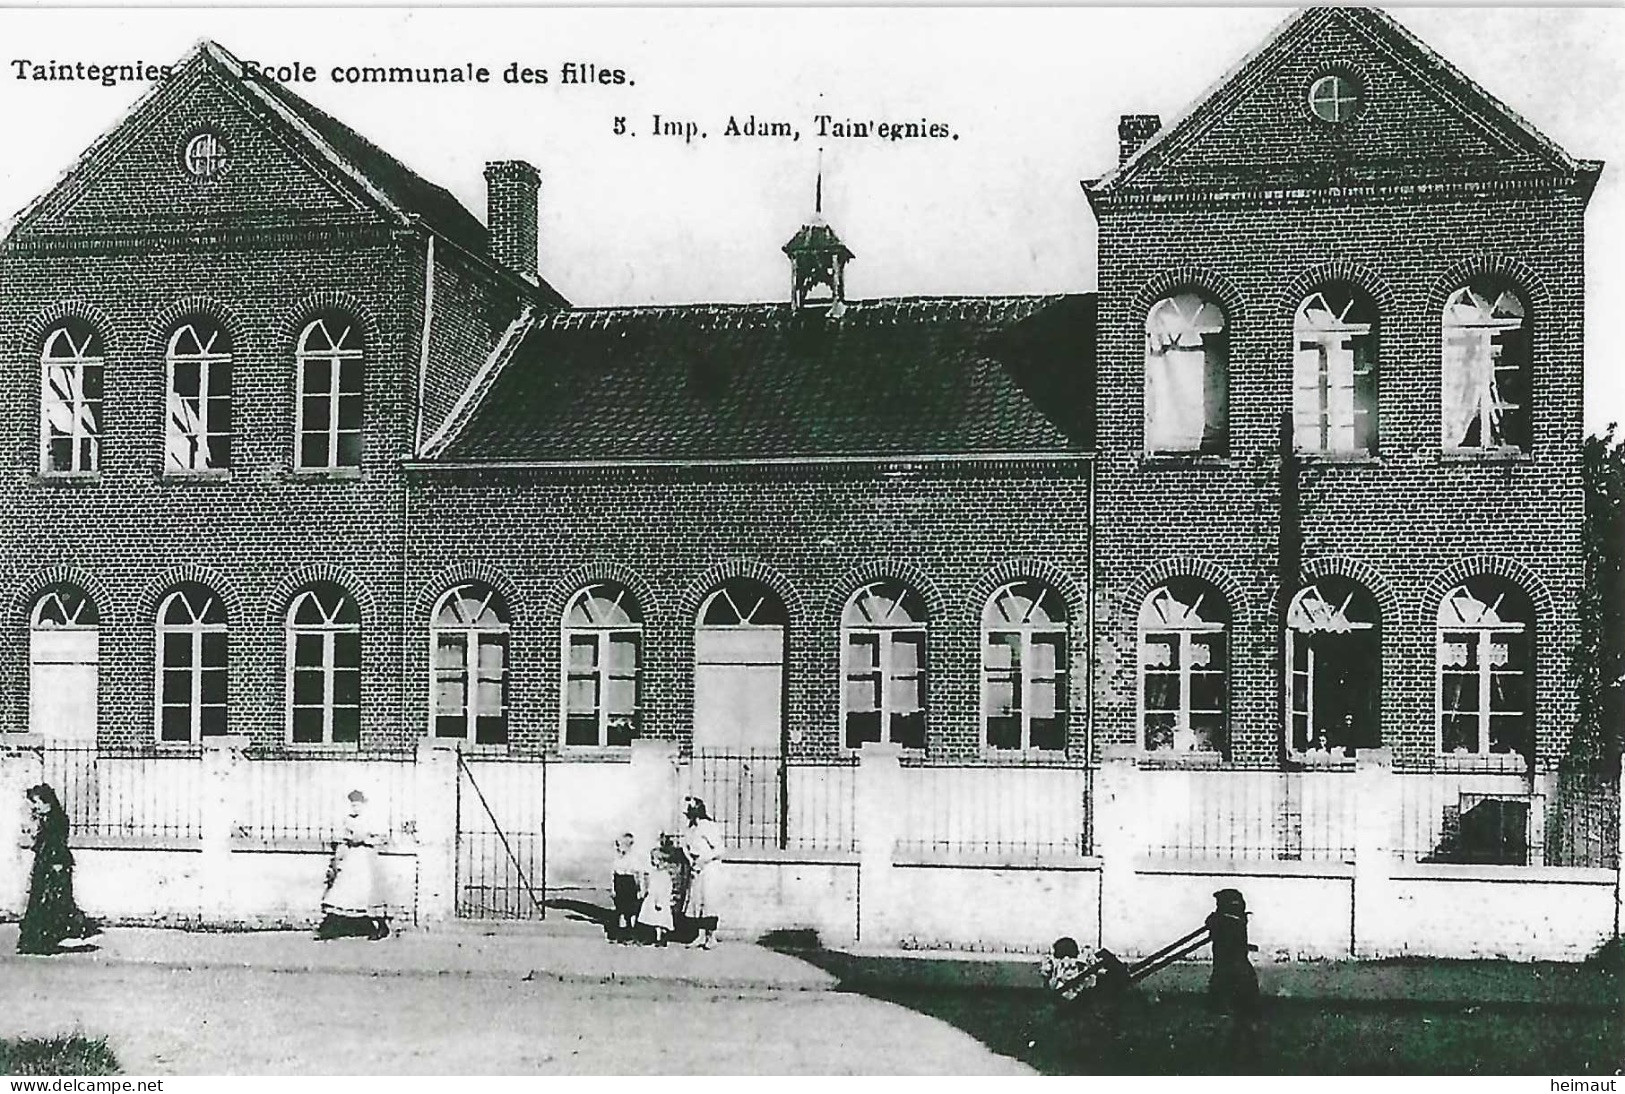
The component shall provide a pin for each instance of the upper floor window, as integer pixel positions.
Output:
(469, 635)
(71, 399)
(1334, 403)
(1485, 366)
(1334, 648)
(1186, 382)
(192, 665)
(324, 667)
(328, 414)
(198, 426)
(1024, 690)
(603, 653)
(884, 656)
(1486, 669)
(1184, 664)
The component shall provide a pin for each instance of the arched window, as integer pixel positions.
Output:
(1486, 669)
(739, 669)
(884, 655)
(1334, 648)
(1186, 384)
(1024, 660)
(1184, 666)
(1334, 402)
(63, 653)
(1485, 367)
(71, 399)
(192, 665)
(603, 656)
(469, 636)
(197, 434)
(324, 667)
(329, 409)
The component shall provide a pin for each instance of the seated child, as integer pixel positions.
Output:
(1063, 969)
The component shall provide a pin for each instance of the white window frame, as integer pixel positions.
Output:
(1482, 632)
(1469, 315)
(210, 409)
(1334, 618)
(344, 357)
(602, 635)
(893, 626)
(1327, 370)
(1030, 631)
(1182, 626)
(490, 624)
(1324, 91)
(339, 618)
(200, 625)
(1186, 322)
(84, 412)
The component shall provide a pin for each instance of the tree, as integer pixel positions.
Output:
(1600, 656)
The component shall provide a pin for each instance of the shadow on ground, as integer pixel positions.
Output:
(1177, 1034)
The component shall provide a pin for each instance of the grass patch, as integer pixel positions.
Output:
(70, 1055)
(1178, 1035)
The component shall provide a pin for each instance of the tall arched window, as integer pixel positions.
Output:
(63, 654)
(1334, 402)
(1335, 650)
(603, 658)
(324, 667)
(1184, 666)
(197, 434)
(739, 668)
(1486, 669)
(192, 665)
(329, 409)
(71, 399)
(1024, 660)
(884, 664)
(1485, 366)
(469, 636)
(1186, 375)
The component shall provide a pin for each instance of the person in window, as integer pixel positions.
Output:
(51, 916)
(354, 902)
(702, 848)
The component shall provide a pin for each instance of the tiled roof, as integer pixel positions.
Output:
(914, 376)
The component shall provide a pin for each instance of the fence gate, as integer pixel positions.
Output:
(501, 837)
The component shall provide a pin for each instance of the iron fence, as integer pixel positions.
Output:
(304, 797)
(1469, 818)
(1582, 827)
(1018, 808)
(131, 794)
(1258, 813)
(768, 800)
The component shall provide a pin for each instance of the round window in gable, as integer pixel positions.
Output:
(1335, 98)
(206, 156)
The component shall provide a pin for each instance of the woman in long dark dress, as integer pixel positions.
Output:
(51, 915)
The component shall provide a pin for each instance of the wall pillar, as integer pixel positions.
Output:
(657, 796)
(224, 786)
(878, 805)
(1619, 854)
(1376, 824)
(20, 768)
(437, 780)
(1116, 805)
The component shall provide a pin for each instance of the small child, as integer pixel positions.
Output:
(1062, 969)
(627, 877)
(657, 898)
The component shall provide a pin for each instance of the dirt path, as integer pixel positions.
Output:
(243, 1022)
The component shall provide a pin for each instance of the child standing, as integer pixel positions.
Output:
(627, 878)
(657, 900)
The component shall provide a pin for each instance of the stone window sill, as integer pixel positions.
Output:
(323, 474)
(67, 478)
(1184, 461)
(1484, 455)
(223, 475)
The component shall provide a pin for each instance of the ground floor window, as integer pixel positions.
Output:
(469, 638)
(1334, 648)
(1485, 669)
(1184, 694)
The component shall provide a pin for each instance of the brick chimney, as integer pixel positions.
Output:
(1133, 130)
(511, 187)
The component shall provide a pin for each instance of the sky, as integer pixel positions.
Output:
(1031, 96)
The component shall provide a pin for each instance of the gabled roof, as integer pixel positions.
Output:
(915, 376)
(1518, 146)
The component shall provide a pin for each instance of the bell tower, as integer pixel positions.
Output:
(818, 260)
